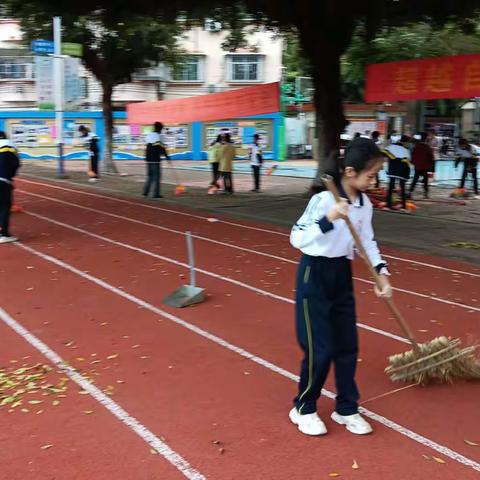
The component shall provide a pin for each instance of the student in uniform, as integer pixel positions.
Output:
(325, 305)
(154, 151)
(9, 164)
(466, 154)
(423, 160)
(256, 160)
(90, 140)
(214, 162)
(398, 169)
(226, 156)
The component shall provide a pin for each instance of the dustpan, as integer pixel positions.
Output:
(187, 294)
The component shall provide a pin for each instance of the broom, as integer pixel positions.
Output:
(179, 188)
(439, 360)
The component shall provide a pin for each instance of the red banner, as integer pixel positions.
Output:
(432, 78)
(243, 102)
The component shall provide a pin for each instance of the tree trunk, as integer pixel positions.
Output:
(330, 118)
(108, 165)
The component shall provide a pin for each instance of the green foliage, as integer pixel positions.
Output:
(294, 62)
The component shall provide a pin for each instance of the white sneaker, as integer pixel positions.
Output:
(8, 239)
(309, 424)
(354, 423)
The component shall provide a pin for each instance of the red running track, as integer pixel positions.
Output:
(191, 387)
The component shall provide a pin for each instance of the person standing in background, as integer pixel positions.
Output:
(154, 152)
(256, 160)
(214, 162)
(90, 140)
(398, 169)
(9, 164)
(467, 155)
(423, 161)
(226, 155)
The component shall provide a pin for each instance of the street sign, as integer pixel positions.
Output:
(44, 73)
(71, 79)
(72, 49)
(44, 82)
(42, 47)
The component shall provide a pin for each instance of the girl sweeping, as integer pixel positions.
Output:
(325, 305)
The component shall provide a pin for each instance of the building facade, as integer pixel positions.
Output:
(206, 68)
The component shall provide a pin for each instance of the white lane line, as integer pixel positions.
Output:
(250, 356)
(199, 270)
(436, 267)
(236, 247)
(113, 407)
(264, 230)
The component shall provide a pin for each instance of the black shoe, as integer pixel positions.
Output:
(157, 196)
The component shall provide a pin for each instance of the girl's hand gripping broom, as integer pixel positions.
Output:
(439, 360)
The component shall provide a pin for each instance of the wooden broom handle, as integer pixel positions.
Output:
(330, 184)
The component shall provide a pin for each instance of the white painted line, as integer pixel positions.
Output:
(250, 356)
(199, 270)
(236, 247)
(113, 407)
(197, 215)
(436, 267)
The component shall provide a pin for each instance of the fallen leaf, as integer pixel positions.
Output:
(35, 402)
(334, 474)
(56, 403)
(144, 357)
(221, 451)
(103, 324)
(83, 392)
(355, 465)
(39, 412)
(88, 412)
(46, 447)
(153, 451)
(439, 460)
(423, 331)
(24, 410)
(111, 357)
(135, 346)
(121, 381)
(472, 444)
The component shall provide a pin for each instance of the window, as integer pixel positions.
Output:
(189, 70)
(245, 68)
(12, 69)
(83, 87)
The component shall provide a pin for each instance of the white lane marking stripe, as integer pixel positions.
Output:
(236, 247)
(250, 356)
(265, 230)
(429, 265)
(200, 270)
(113, 407)
(151, 207)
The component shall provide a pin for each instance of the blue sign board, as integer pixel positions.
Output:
(43, 46)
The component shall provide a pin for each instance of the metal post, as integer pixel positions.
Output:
(59, 94)
(191, 259)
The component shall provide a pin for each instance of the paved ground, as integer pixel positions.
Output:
(440, 227)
